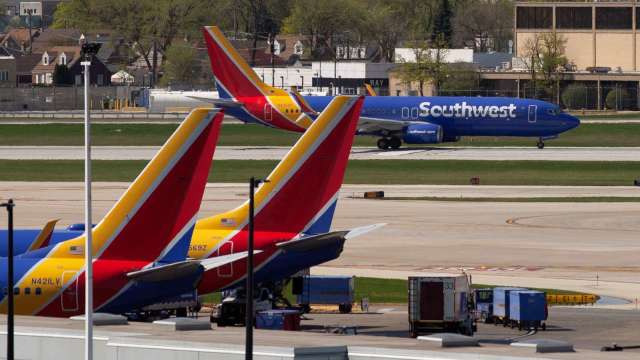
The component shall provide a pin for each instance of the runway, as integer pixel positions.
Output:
(357, 153)
(533, 244)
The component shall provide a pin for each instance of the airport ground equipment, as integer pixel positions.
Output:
(483, 301)
(501, 304)
(325, 290)
(285, 319)
(232, 309)
(527, 309)
(440, 304)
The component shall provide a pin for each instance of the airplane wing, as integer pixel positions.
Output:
(218, 102)
(316, 241)
(180, 269)
(44, 237)
(372, 125)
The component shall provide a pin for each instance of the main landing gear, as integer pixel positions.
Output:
(540, 144)
(389, 143)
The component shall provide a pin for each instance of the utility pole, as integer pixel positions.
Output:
(248, 351)
(89, 50)
(29, 13)
(9, 205)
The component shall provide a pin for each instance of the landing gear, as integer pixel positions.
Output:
(389, 143)
(540, 144)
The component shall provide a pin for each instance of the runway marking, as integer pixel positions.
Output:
(483, 268)
(516, 221)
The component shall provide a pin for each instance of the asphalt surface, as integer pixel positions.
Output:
(548, 245)
(360, 153)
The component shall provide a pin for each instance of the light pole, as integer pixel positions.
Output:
(9, 206)
(89, 50)
(248, 351)
(301, 82)
(282, 81)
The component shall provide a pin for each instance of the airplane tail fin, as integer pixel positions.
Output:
(370, 90)
(233, 75)
(154, 218)
(301, 193)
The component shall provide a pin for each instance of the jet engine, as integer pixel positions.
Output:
(422, 134)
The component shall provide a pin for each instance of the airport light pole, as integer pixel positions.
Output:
(248, 350)
(89, 50)
(9, 205)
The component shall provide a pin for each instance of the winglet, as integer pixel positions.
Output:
(370, 91)
(44, 237)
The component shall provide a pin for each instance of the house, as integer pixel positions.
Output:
(24, 66)
(7, 71)
(17, 39)
(68, 56)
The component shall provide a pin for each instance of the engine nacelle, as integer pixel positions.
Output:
(422, 134)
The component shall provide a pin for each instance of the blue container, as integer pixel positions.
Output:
(326, 290)
(501, 300)
(278, 320)
(527, 305)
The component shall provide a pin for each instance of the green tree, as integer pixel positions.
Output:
(442, 23)
(182, 65)
(460, 78)
(386, 22)
(148, 27)
(546, 61)
(429, 67)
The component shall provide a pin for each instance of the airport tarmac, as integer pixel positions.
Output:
(357, 153)
(592, 247)
(384, 328)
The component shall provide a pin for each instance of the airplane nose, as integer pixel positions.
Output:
(569, 121)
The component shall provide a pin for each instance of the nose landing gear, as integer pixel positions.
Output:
(389, 143)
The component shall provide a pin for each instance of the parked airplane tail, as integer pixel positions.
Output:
(301, 192)
(154, 218)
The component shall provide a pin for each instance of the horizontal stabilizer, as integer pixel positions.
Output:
(168, 272)
(318, 241)
(216, 262)
(218, 102)
(44, 237)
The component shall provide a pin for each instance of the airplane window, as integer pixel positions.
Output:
(38, 291)
(16, 291)
(27, 291)
(553, 111)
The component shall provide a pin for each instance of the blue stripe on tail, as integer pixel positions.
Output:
(179, 250)
(323, 224)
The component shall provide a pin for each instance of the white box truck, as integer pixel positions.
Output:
(440, 303)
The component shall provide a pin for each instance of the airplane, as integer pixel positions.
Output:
(393, 119)
(293, 215)
(293, 209)
(140, 245)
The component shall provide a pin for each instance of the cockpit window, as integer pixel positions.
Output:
(553, 111)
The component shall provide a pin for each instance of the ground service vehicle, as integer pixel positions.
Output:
(528, 309)
(440, 303)
(326, 290)
(483, 300)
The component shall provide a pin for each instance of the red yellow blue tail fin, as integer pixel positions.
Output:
(303, 188)
(158, 209)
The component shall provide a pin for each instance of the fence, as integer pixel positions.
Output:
(60, 98)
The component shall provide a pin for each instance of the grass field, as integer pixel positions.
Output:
(257, 135)
(382, 291)
(443, 172)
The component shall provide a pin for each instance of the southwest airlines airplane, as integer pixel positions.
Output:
(394, 119)
(140, 246)
(293, 212)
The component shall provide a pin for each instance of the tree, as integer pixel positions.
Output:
(442, 23)
(148, 27)
(386, 22)
(182, 66)
(484, 24)
(545, 61)
(460, 78)
(324, 20)
(429, 66)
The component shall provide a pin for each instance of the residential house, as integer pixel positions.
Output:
(69, 56)
(7, 71)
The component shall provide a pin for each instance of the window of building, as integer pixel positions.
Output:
(573, 17)
(45, 59)
(63, 59)
(4, 75)
(613, 18)
(533, 17)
